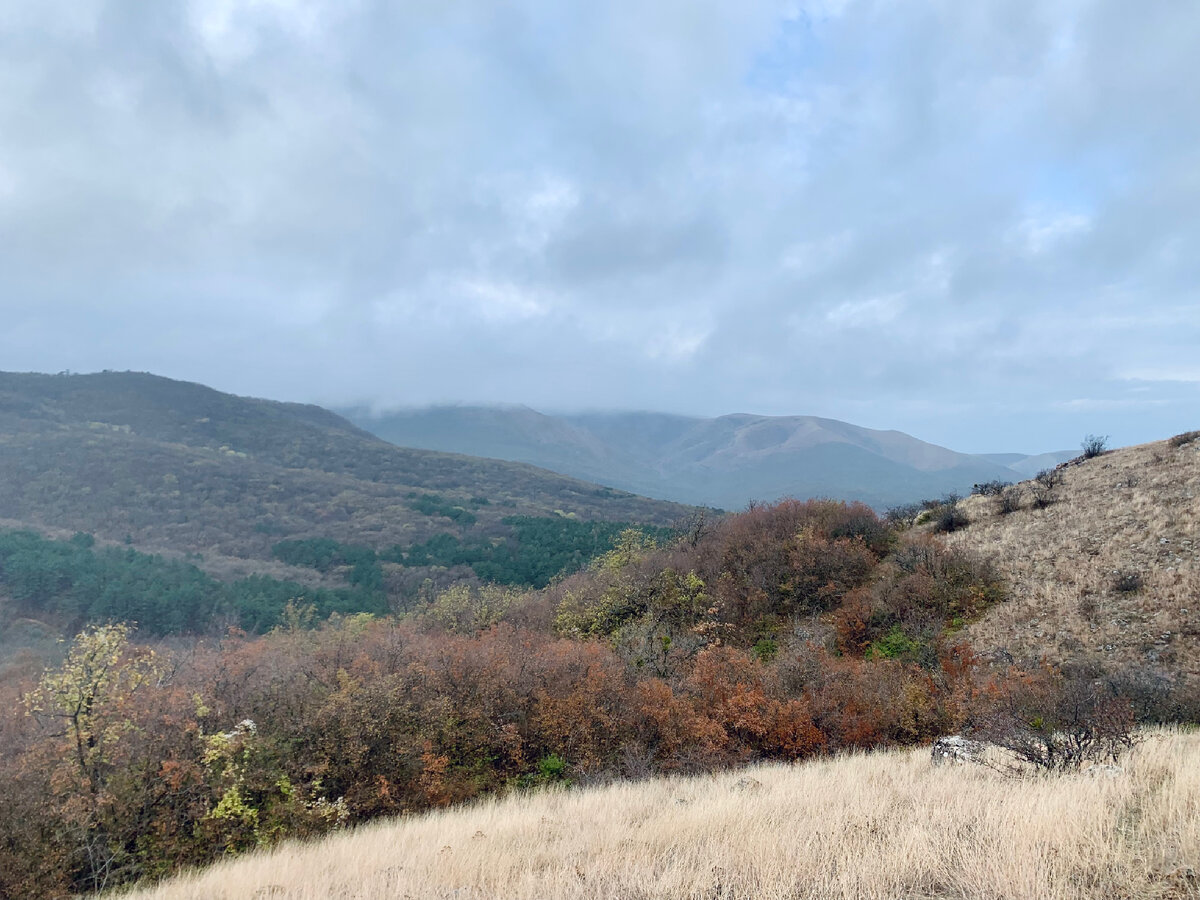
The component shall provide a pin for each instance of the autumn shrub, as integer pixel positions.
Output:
(671, 733)
(755, 562)
(746, 578)
(854, 622)
(796, 629)
(825, 570)
(580, 711)
(1053, 720)
(946, 516)
(924, 590)
(1009, 500)
(1043, 487)
(1156, 697)
(617, 589)
(903, 515)
(743, 698)
(1183, 439)
(117, 740)
(858, 704)
(35, 844)
(466, 608)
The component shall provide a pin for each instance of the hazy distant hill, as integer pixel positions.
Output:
(169, 465)
(726, 461)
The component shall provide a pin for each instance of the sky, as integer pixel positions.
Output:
(975, 222)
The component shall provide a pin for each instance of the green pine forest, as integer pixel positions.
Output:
(74, 582)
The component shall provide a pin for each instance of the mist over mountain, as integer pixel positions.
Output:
(726, 461)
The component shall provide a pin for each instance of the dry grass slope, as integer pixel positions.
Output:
(1125, 518)
(884, 825)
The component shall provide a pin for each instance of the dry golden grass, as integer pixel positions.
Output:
(883, 825)
(1134, 510)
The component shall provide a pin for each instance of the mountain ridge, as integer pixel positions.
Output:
(173, 466)
(726, 461)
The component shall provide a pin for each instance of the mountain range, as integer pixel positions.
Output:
(728, 461)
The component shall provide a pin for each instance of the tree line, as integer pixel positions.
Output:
(535, 551)
(74, 583)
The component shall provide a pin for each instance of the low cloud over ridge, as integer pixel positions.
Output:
(974, 222)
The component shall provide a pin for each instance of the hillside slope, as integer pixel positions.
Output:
(170, 466)
(1108, 571)
(881, 825)
(727, 461)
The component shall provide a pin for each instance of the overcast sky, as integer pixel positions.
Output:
(978, 222)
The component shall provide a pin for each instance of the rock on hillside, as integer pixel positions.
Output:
(1108, 571)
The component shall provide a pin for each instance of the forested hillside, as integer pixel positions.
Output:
(217, 485)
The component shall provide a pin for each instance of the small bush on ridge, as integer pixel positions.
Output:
(1094, 445)
(990, 488)
(1126, 581)
(1043, 487)
(947, 517)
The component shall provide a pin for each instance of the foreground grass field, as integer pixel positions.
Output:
(883, 825)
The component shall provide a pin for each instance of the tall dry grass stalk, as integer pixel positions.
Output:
(883, 825)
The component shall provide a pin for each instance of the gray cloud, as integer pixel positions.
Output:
(976, 222)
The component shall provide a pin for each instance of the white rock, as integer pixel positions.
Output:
(955, 748)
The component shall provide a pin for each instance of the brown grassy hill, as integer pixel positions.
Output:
(1108, 570)
(167, 465)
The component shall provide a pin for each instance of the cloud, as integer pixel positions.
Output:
(1040, 234)
(1184, 373)
(877, 311)
(955, 219)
